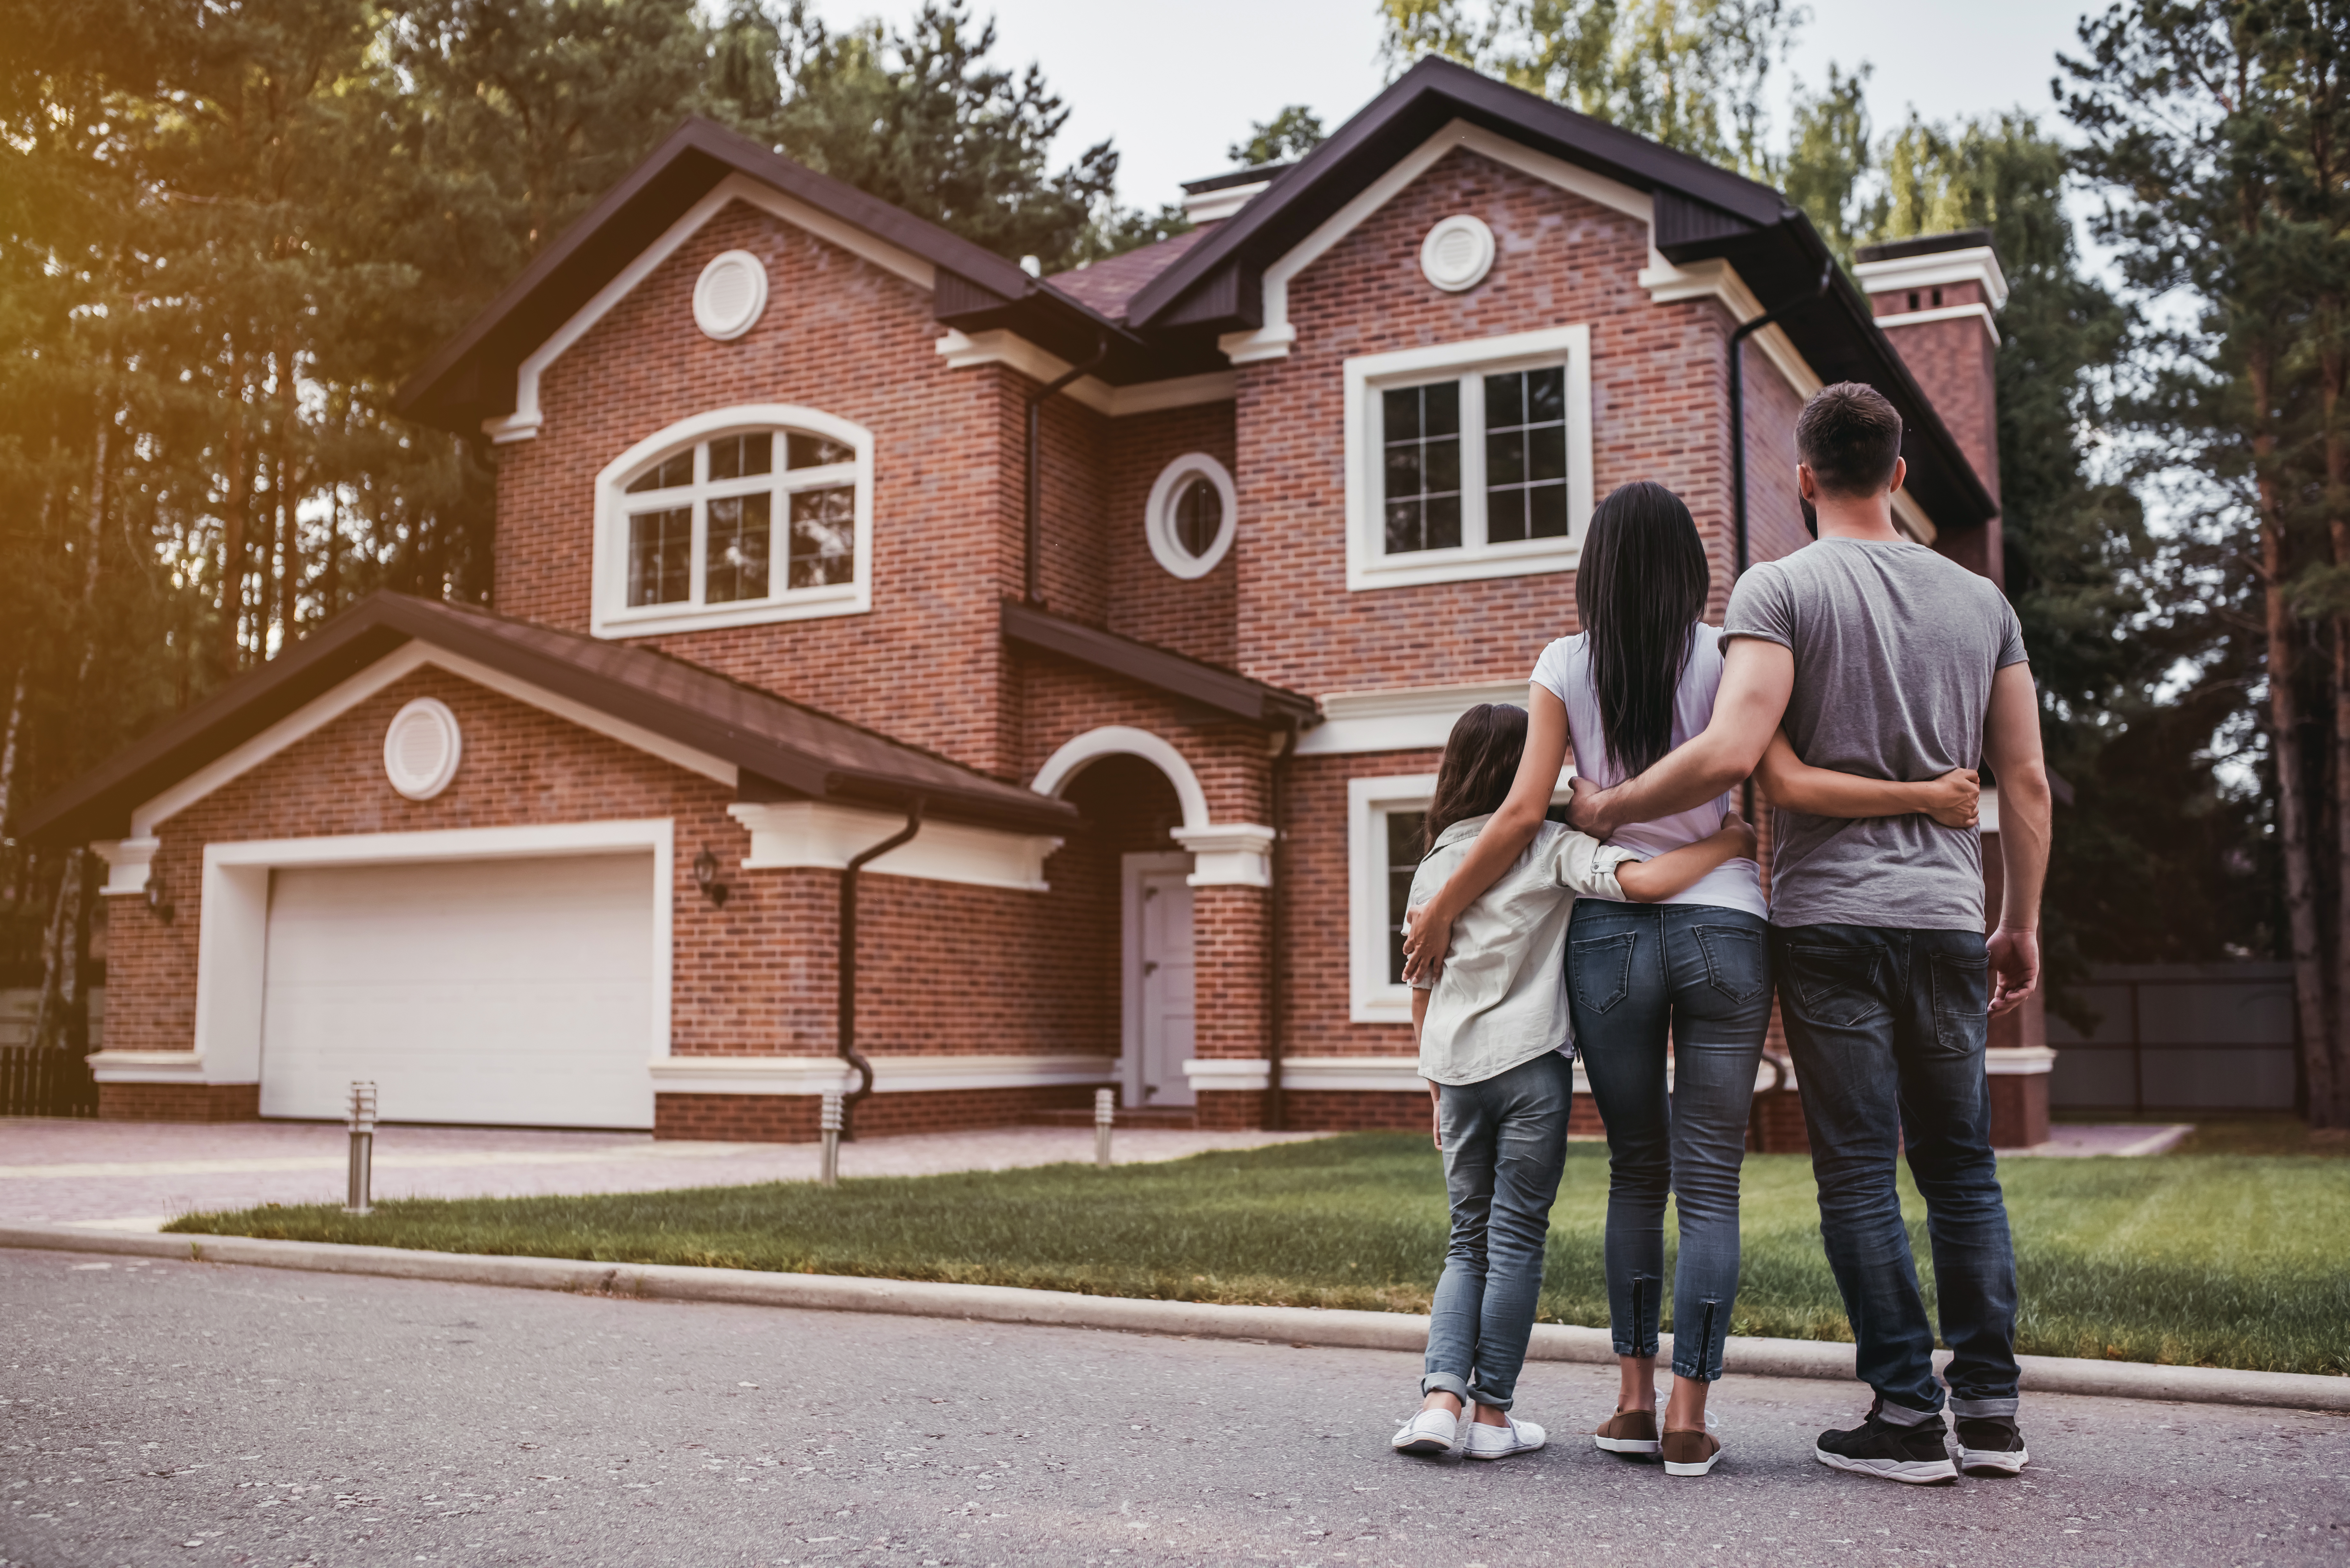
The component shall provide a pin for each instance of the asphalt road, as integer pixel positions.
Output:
(192, 1414)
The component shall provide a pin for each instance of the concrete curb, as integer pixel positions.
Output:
(1301, 1326)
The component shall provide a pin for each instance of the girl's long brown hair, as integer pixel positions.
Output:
(1480, 761)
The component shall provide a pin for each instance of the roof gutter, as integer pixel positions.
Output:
(1032, 567)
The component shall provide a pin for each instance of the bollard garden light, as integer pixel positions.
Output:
(1105, 1114)
(362, 1148)
(828, 1124)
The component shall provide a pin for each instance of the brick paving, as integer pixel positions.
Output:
(138, 1175)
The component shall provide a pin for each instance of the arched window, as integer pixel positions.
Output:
(733, 517)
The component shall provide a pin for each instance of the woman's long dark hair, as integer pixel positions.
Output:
(1639, 589)
(1480, 761)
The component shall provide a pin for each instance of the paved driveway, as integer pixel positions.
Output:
(138, 1174)
(197, 1414)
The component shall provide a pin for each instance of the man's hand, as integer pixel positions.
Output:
(1587, 808)
(1955, 798)
(2015, 969)
(1426, 939)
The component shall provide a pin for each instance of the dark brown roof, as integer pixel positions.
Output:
(1224, 691)
(784, 749)
(1107, 284)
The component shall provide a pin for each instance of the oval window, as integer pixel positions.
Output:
(1189, 519)
(1198, 517)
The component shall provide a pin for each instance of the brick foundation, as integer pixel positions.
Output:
(1775, 1124)
(2019, 1109)
(1230, 1110)
(792, 1118)
(179, 1102)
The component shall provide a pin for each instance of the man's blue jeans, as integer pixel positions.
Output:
(1699, 975)
(1504, 1147)
(1887, 1027)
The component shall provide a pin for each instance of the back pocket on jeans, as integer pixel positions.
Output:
(1836, 986)
(1962, 1002)
(1600, 968)
(1735, 960)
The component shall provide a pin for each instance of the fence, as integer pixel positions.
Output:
(36, 1083)
(2200, 1037)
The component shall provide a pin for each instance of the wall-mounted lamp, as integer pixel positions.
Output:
(157, 900)
(705, 877)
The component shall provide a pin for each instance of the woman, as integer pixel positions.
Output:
(1694, 970)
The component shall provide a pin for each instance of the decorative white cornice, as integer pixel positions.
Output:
(147, 1066)
(1354, 1074)
(792, 834)
(1978, 263)
(1229, 854)
(1406, 718)
(1210, 207)
(2002, 1061)
(1979, 310)
(127, 863)
(1243, 1075)
(963, 350)
(1911, 519)
(1717, 279)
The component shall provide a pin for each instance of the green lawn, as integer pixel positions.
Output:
(2224, 1259)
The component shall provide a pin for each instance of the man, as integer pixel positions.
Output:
(1882, 658)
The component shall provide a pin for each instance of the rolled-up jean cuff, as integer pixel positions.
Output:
(1444, 1382)
(1902, 1416)
(1625, 1348)
(1478, 1396)
(1698, 1373)
(1971, 1410)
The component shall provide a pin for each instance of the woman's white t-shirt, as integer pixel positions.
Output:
(1565, 671)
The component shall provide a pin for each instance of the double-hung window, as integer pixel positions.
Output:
(736, 517)
(1467, 459)
(1383, 826)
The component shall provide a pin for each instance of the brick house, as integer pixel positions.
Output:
(1144, 595)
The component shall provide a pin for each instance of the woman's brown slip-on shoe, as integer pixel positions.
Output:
(1690, 1453)
(1629, 1432)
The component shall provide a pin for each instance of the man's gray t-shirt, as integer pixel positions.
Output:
(1895, 650)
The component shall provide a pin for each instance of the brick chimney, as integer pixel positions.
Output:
(1934, 297)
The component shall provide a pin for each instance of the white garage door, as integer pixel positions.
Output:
(504, 992)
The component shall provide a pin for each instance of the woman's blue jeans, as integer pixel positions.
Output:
(1699, 975)
(1504, 1148)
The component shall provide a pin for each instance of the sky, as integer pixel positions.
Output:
(1173, 85)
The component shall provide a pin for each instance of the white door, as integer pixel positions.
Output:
(1159, 975)
(516, 992)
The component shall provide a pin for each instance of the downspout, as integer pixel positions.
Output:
(848, 965)
(1738, 440)
(1276, 1108)
(1032, 566)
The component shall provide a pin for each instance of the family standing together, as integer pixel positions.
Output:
(1861, 680)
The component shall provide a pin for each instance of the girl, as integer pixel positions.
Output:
(1494, 1047)
(1692, 970)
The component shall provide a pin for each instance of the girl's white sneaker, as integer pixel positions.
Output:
(1499, 1442)
(1429, 1432)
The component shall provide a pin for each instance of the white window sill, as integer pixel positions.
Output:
(654, 621)
(1532, 558)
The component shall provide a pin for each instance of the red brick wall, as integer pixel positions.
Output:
(846, 336)
(792, 1118)
(1316, 983)
(179, 1102)
(1192, 615)
(1658, 386)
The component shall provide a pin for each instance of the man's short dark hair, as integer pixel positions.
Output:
(1849, 435)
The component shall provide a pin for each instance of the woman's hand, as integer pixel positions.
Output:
(1426, 939)
(1955, 799)
(1743, 832)
(1436, 1115)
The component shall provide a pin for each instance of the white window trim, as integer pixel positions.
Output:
(612, 617)
(1371, 998)
(1158, 521)
(1367, 565)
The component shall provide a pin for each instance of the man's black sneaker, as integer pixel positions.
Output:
(1991, 1445)
(1917, 1454)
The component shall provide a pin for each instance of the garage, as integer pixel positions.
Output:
(504, 992)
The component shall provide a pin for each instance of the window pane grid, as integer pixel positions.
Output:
(1422, 437)
(716, 544)
(1525, 455)
(1402, 832)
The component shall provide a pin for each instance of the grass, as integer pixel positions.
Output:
(2217, 1260)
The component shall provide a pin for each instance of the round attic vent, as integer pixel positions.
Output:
(420, 749)
(730, 293)
(1457, 254)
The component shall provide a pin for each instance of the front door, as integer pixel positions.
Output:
(1157, 987)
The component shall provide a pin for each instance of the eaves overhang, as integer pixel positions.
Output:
(781, 749)
(1226, 692)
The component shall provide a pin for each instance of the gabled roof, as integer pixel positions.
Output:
(783, 750)
(1107, 284)
(1700, 212)
(1226, 691)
